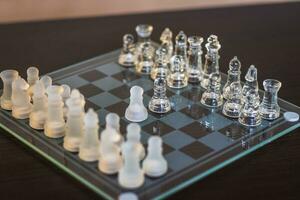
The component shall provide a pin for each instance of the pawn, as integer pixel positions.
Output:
(234, 74)
(39, 109)
(250, 115)
(136, 111)
(160, 68)
(127, 57)
(65, 95)
(145, 63)
(155, 165)
(112, 129)
(177, 77)
(8, 77)
(212, 97)
(134, 137)
(74, 125)
(159, 102)
(21, 106)
(269, 107)
(32, 77)
(250, 82)
(232, 107)
(55, 123)
(47, 81)
(89, 144)
(110, 160)
(131, 175)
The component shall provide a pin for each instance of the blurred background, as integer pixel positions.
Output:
(12, 11)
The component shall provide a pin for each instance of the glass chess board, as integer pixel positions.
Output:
(196, 140)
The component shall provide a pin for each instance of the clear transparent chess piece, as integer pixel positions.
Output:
(144, 32)
(155, 165)
(250, 82)
(159, 102)
(39, 108)
(181, 46)
(74, 124)
(160, 68)
(269, 108)
(8, 77)
(212, 97)
(177, 77)
(195, 59)
(232, 107)
(166, 42)
(55, 122)
(32, 77)
(127, 57)
(131, 175)
(89, 144)
(21, 106)
(211, 64)
(233, 75)
(145, 59)
(136, 111)
(250, 115)
(134, 136)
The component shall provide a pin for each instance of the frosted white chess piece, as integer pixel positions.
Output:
(74, 125)
(110, 160)
(8, 77)
(155, 165)
(39, 109)
(89, 145)
(21, 106)
(55, 123)
(112, 128)
(32, 77)
(47, 81)
(130, 175)
(134, 136)
(136, 111)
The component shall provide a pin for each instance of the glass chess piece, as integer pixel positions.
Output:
(32, 77)
(47, 81)
(136, 111)
(8, 77)
(166, 42)
(195, 59)
(160, 68)
(21, 106)
(250, 82)
(212, 97)
(233, 75)
(181, 46)
(127, 57)
(269, 108)
(144, 32)
(177, 77)
(250, 115)
(55, 122)
(145, 60)
(38, 113)
(212, 57)
(159, 102)
(232, 107)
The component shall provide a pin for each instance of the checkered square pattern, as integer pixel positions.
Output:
(191, 132)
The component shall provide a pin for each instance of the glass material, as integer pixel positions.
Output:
(177, 78)
(127, 57)
(7, 76)
(233, 75)
(212, 97)
(196, 140)
(195, 59)
(232, 107)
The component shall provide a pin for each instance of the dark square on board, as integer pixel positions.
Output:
(196, 150)
(158, 128)
(195, 111)
(126, 76)
(89, 90)
(234, 131)
(89, 104)
(118, 108)
(92, 75)
(195, 129)
(123, 92)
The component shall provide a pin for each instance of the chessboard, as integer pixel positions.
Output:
(196, 140)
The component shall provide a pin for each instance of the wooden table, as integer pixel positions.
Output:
(266, 36)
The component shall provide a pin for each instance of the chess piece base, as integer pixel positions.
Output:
(110, 165)
(232, 110)
(157, 106)
(54, 129)
(131, 181)
(71, 144)
(127, 60)
(5, 104)
(37, 120)
(88, 154)
(250, 121)
(144, 67)
(154, 169)
(21, 113)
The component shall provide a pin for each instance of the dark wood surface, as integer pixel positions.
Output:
(267, 36)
